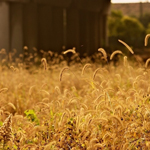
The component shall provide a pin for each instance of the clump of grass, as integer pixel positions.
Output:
(6, 131)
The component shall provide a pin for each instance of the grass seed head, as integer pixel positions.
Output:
(127, 46)
(146, 39)
(125, 61)
(61, 72)
(103, 52)
(44, 61)
(147, 62)
(114, 53)
(3, 90)
(95, 72)
(85, 66)
(73, 50)
(5, 129)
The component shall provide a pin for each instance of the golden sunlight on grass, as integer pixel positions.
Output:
(47, 105)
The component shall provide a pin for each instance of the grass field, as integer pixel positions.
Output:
(47, 105)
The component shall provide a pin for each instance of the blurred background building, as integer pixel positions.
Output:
(54, 24)
(132, 9)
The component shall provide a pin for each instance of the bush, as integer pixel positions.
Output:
(133, 31)
(148, 29)
(145, 19)
(115, 24)
(126, 28)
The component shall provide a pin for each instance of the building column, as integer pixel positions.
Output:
(101, 40)
(94, 28)
(88, 38)
(30, 26)
(105, 30)
(57, 41)
(73, 28)
(16, 27)
(84, 31)
(4, 26)
(44, 26)
(64, 28)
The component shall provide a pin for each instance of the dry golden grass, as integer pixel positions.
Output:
(95, 106)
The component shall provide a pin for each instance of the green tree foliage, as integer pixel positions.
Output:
(125, 28)
(133, 31)
(148, 29)
(145, 19)
(115, 24)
